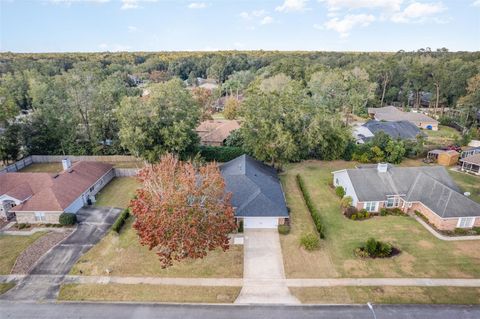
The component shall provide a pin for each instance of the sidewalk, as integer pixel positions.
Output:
(443, 237)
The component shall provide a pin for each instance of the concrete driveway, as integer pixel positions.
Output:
(92, 226)
(263, 267)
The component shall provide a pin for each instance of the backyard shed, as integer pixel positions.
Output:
(442, 157)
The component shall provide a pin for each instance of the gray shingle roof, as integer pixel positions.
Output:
(397, 129)
(255, 187)
(431, 185)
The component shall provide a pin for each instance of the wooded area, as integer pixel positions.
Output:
(294, 105)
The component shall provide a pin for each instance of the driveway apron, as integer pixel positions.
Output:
(263, 275)
(46, 276)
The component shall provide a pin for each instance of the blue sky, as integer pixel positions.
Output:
(159, 25)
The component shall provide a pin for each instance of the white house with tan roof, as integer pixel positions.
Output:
(42, 197)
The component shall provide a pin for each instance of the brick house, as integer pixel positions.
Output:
(42, 197)
(428, 189)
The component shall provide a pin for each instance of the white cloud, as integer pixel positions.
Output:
(132, 28)
(253, 14)
(68, 2)
(388, 5)
(343, 26)
(266, 20)
(197, 5)
(292, 5)
(476, 3)
(418, 12)
(133, 4)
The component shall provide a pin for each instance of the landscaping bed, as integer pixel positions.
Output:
(4, 287)
(35, 251)
(11, 247)
(148, 293)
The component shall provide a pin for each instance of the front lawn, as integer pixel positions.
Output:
(11, 247)
(148, 293)
(388, 295)
(422, 255)
(4, 287)
(118, 192)
(124, 256)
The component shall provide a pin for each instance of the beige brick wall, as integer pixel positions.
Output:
(29, 217)
(440, 223)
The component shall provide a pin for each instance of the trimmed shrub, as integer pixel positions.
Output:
(374, 249)
(310, 241)
(240, 226)
(340, 191)
(121, 219)
(283, 229)
(461, 231)
(67, 219)
(350, 211)
(383, 212)
(346, 202)
(311, 208)
(22, 225)
(422, 217)
(476, 230)
(220, 153)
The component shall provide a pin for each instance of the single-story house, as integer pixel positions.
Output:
(391, 113)
(471, 164)
(215, 132)
(257, 195)
(42, 197)
(428, 189)
(470, 151)
(403, 130)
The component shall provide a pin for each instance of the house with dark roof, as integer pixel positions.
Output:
(42, 197)
(391, 113)
(427, 189)
(257, 195)
(397, 130)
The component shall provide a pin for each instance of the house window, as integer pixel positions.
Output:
(392, 202)
(39, 217)
(336, 181)
(466, 222)
(370, 206)
(92, 188)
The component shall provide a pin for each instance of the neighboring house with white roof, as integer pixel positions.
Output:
(427, 189)
(42, 197)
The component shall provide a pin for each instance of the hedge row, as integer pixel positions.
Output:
(220, 153)
(313, 211)
(121, 219)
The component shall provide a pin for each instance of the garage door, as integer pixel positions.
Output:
(260, 222)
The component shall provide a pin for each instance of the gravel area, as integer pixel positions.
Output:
(36, 250)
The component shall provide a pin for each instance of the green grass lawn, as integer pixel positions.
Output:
(388, 295)
(422, 254)
(124, 256)
(118, 192)
(148, 293)
(11, 247)
(43, 168)
(444, 136)
(467, 183)
(4, 287)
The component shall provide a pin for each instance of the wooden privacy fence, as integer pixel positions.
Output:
(18, 165)
(126, 172)
(75, 158)
(15, 167)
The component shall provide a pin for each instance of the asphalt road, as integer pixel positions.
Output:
(146, 311)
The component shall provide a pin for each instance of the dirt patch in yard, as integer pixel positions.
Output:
(35, 251)
(426, 244)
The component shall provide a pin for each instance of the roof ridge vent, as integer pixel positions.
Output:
(382, 167)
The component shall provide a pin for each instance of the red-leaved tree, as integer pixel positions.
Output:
(182, 211)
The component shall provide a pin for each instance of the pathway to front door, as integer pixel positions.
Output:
(263, 272)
